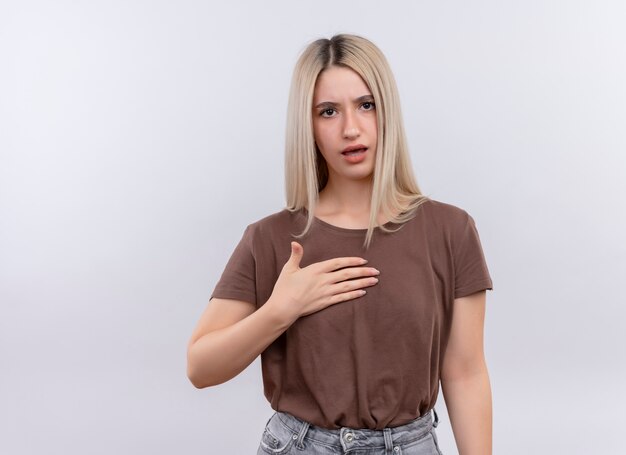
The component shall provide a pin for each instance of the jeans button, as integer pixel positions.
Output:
(349, 437)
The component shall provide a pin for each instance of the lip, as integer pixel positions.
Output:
(354, 147)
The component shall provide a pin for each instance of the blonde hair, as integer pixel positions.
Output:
(394, 188)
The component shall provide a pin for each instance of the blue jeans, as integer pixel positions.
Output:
(287, 434)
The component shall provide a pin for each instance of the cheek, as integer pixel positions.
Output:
(374, 125)
(322, 136)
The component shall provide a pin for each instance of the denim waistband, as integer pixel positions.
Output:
(350, 438)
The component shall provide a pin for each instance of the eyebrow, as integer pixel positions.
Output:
(360, 99)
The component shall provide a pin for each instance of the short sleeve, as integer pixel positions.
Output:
(470, 267)
(238, 280)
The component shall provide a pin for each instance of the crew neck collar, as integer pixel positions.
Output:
(331, 227)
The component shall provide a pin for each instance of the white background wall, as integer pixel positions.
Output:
(139, 138)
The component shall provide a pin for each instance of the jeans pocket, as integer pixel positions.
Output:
(276, 438)
(435, 440)
(425, 445)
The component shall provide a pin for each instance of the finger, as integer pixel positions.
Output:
(333, 264)
(349, 273)
(337, 298)
(297, 251)
(351, 285)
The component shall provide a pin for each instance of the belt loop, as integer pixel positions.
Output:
(388, 440)
(303, 429)
(436, 422)
(268, 420)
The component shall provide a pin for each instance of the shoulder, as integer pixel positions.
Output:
(275, 222)
(444, 214)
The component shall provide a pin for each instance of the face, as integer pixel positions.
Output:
(344, 116)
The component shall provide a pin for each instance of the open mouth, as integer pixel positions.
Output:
(354, 152)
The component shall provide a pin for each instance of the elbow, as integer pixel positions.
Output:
(203, 381)
(200, 377)
(197, 382)
(192, 371)
(202, 373)
(463, 369)
(192, 378)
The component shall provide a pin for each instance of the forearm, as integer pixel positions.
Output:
(222, 354)
(468, 400)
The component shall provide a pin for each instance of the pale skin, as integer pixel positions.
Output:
(231, 334)
(465, 379)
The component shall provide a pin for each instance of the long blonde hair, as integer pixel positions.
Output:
(394, 188)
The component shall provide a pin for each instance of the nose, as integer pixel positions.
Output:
(350, 127)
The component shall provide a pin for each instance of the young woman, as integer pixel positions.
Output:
(380, 298)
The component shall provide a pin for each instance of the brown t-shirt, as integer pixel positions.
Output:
(374, 361)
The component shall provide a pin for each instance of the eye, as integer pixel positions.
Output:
(370, 104)
(325, 111)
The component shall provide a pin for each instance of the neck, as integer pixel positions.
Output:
(351, 197)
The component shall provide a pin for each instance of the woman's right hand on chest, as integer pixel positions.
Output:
(302, 291)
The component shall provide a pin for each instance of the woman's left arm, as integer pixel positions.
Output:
(465, 380)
